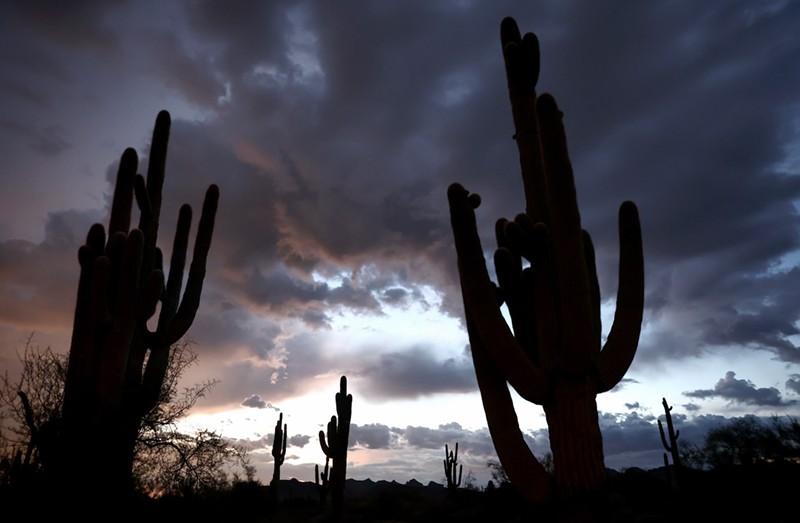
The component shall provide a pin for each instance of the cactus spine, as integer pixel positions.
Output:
(278, 455)
(117, 364)
(335, 447)
(670, 446)
(450, 463)
(552, 353)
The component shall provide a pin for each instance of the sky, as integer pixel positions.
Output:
(333, 130)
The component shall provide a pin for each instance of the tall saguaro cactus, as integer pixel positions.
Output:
(335, 447)
(452, 470)
(278, 455)
(551, 354)
(670, 441)
(117, 362)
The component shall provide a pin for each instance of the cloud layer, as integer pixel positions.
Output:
(333, 131)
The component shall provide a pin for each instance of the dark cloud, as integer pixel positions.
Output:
(299, 440)
(624, 382)
(793, 383)
(371, 436)
(416, 372)
(742, 391)
(79, 24)
(187, 71)
(38, 280)
(632, 438)
(476, 444)
(256, 401)
(49, 141)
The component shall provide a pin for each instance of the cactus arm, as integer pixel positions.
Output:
(663, 438)
(177, 316)
(197, 270)
(522, 64)
(156, 167)
(122, 202)
(323, 445)
(171, 298)
(519, 463)
(623, 338)
(481, 303)
(594, 285)
(285, 440)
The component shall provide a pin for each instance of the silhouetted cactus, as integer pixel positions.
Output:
(322, 481)
(670, 446)
(450, 464)
(117, 364)
(336, 445)
(553, 356)
(33, 442)
(278, 455)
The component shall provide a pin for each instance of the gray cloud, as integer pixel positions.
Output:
(371, 436)
(415, 372)
(299, 440)
(793, 383)
(256, 401)
(742, 391)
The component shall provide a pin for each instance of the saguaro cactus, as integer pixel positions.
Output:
(337, 442)
(278, 454)
(117, 364)
(450, 464)
(553, 355)
(322, 481)
(670, 441)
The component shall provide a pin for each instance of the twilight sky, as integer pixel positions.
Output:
(333, 130)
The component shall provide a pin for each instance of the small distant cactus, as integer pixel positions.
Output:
(335, 447)
(450, 464)
(279, 454)
(322, 481)
(671, 446)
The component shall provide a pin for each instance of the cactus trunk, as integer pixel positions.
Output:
(575, 440)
